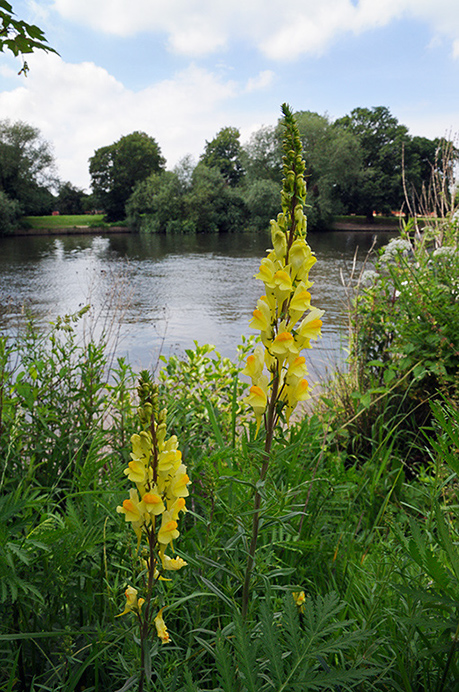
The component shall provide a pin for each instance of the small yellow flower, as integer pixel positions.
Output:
(299, 597)
(279, 240)
(168, 531)
(266, 272)
(131, 508)
(283, 284)
(173, 563)
(161, 628)
(153, 503)
(310, 327)
(284, 345)
(262, 316)
(296, 371)
(301, 258)
(175, 507)
(133, 512)
(178, 483)
(168, 459)
(253, 367)
(141, 446)
(137, 471)
(133, 604)
(258, 400)
(300, 302)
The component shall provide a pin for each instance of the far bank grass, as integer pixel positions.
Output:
(64, 221)
(363, 221)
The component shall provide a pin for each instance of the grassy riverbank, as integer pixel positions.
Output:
(64, 221)
(66, 225)
(80, 224)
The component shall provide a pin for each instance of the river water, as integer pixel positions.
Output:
(157, 294)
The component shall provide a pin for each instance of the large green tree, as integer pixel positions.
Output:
(157, 204)
(333, 161)
(117, 168)
(382, 140)
(262, 155)
(224, 153)
(27, 169)
(71, 199)
(212, 205)
(10, 212)
(429, 169)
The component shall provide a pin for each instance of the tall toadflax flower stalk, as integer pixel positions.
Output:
(284, 316)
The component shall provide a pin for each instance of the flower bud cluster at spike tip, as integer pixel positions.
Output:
(161, 484)
(284, 316)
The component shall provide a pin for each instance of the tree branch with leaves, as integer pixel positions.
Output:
(19, 37)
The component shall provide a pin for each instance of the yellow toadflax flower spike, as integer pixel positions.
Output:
(285, 275)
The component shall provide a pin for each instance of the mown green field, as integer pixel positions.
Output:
(63, 221)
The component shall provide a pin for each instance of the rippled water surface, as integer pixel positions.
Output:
(160, 293)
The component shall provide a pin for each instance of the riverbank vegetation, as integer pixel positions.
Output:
(354, 576)
(361, 164)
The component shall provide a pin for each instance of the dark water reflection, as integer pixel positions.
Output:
(164, 292)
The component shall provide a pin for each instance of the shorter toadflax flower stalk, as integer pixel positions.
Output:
(153, 507)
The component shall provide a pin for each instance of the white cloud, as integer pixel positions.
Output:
(263, 80)
(9, 72)
(278, 29)
(81, 107)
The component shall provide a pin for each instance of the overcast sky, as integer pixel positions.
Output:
(182, 69)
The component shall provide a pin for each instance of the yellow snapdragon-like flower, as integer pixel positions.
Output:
(262, 315)
(258, 400)
(168, 459)
(131, 508)
(153, 503)
(175, 563)
(178, 486)
(300, 599)
(255, 364)
(161, 628)
(284, 345)
(168, 531)
(175, 506)
(141, 446)
(133, 604)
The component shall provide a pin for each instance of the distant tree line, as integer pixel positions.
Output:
(362, 163)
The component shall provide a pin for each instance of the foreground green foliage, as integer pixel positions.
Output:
(326, 525)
